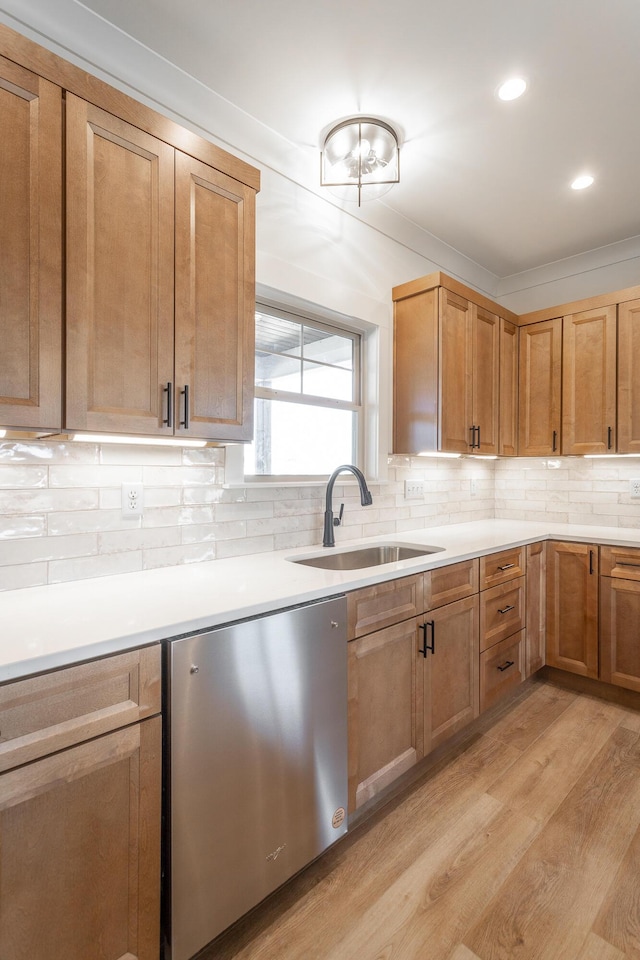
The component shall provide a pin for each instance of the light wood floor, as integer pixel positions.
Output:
(526, 845)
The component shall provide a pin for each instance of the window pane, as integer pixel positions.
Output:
(277, 335)
(328, 348)
(296, 439)
(331, 382)
(278, 372)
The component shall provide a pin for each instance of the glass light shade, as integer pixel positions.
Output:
(360, 159)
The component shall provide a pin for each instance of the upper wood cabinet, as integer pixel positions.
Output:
(508, 406)
(30, 249)
(589, 382)
(136, 364)
(448, 372)
(540, 366)
(629, 377)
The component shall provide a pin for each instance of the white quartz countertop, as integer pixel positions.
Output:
(42, 628)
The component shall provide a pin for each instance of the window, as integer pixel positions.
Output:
(308, 396)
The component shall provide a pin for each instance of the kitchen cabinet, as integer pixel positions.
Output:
(80, 811)
(535, 637)
(628, 377)
(30, 249)
(502, 623)
(540, 388)
(448, 371)
(572, 607)
(160, 252)
(589, 382)
(620, 616)
(508, 406)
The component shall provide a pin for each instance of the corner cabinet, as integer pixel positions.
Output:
(160, 281)
(572, 607)
(620, 616)
(30, 249)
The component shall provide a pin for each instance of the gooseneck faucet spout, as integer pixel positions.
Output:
(366, 500)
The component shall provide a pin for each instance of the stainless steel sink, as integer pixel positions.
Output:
(372, 555)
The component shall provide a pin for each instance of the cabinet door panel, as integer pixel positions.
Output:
(215, 326)
(486, 378)
(501, 669)
(540, 353)
(30, 249)
(508, 412)
(629, 377)
(119, 274)
(502, 612)
(448, 584)
(383, 706)
(572, 607)
(619, 619)
(80, 851)
(451, 691)
(589, 382)
(455, 359)
(383, 604)
(415, 380)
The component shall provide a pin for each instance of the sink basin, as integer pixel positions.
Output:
(372, 555)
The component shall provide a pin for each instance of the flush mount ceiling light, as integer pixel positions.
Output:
(360, 159)
(581, 183)
(512, 89)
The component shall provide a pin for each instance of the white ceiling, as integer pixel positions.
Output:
(490, 179)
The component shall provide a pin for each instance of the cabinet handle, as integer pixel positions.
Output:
(590, 561)
(554, 444)
(185, 393)
(507, 608)
(168, 422)
(473, 437)
(507, 566)
(478, 443)
(426, 647)
(505, 666)
(609, 437)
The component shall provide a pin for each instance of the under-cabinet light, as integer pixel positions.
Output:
(3, 433)
(436, 453)
(150, 441)
(609, 456)
(483, 456)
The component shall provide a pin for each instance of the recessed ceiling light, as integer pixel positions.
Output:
(580, 183)
(512, 89)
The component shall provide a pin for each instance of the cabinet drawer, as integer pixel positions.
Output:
(451, 583)
(500, 670)
(373, 608)
(44, 714)
(502, 612)
(500, 567)
(622, 562)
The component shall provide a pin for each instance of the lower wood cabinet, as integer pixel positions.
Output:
(572, 607)
(620, 616)
(449, 660)
(80, 826)
(536, 635)
(501, 669)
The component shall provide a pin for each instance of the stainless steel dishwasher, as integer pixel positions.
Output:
(256, 761)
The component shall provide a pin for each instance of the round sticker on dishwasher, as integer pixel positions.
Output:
(338, 818)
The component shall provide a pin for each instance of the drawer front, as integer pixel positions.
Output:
(501, 567)
(451, 583)
(373, 608)
(43, 714)
(501, 669)
(622, 562)
(502, 612)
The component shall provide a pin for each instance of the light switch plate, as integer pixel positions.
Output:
(413, 489)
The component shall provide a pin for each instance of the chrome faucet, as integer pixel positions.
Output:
(330, 522)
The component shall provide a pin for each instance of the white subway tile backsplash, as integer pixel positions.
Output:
(16, 526)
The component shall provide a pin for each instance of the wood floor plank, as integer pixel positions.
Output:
(520, 726)
(550, 767)
(462, 953)
(546, 908)
(594, 948)
(631, 720)
(618, 921)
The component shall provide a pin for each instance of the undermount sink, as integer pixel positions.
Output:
(371, 556)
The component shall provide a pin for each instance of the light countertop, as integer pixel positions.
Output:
(45, 627)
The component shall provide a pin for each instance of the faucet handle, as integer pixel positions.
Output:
(338, 520)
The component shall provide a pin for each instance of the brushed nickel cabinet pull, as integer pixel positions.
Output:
(507, 566)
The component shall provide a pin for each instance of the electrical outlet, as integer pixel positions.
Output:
(473, 487)
(634, 488)
(413, 489)
(132, 499)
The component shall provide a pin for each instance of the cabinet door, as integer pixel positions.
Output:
(629, 377)
(119, 274)
(536, 608)
(572, 607)
(30, 250)
(215, 306)
(450, 670)
(540, 353)
(619, 619)
(589, 382)
(415, 373)
(383, 732)
(508, 413)
(485, 379)
(80, 851)
(456, 372)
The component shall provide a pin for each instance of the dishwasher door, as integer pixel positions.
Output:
(257, 762)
